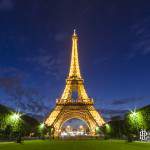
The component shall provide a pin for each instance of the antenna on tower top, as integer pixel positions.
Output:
(74, 32)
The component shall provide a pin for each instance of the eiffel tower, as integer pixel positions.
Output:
(79, 107)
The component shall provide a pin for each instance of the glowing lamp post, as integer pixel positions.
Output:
(42, 125)
(16, 120)
(108, 128)
(16, 117)
(97, 129)
(42, 130)
(134, 116)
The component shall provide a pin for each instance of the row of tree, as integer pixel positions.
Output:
(14, 125)
(128, 127)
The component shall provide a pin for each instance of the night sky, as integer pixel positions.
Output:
(114, 52)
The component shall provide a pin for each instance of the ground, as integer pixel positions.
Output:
(75, 145)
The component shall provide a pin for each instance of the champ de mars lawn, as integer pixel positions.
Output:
(75, 145)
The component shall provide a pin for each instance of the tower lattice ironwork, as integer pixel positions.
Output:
(68, 106)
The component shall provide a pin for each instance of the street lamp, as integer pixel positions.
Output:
(108, 128)
(16, 120)
(97, 129)
(134, 116)
(16, 116)
(41, 130)
(42, 125)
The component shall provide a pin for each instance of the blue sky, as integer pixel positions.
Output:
(114, 51)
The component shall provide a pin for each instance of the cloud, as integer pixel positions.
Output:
(141, 43)
(113, 112)
(49, 64)
(128, 100)
(46, 61)
(10, 84)
(20, 96)
(7, 71)
(6, 5)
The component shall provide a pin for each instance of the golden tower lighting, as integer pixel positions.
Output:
(68, 107)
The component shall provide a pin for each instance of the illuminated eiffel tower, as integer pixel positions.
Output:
(80, 107)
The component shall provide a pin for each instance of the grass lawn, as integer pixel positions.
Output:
(75, 145)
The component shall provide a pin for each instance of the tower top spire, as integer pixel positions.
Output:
(74, 66)
(74, 32)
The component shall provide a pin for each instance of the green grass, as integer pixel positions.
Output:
(75, 145)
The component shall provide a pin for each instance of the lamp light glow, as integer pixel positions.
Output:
(16, 116)
(133, 113)
(42, 125)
